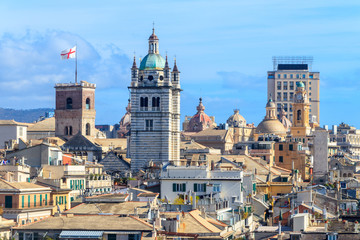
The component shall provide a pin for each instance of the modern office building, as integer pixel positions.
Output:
(287, 72)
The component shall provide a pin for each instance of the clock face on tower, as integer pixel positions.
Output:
(298, 96)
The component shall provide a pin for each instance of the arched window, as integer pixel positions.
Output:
(66, 132)
(156, 103)
(88, 129)
(298, 115)
(87, 103)
(144, 103)
(70, 130)
(69, 103)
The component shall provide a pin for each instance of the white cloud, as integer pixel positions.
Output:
(30, 66)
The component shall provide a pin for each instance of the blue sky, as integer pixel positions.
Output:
(223, 50)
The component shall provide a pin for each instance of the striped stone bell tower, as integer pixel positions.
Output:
(155, 110)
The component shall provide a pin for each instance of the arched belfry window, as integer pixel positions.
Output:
(155, 103)
(298, 115)
(87, 103)
(88, 129)
(66, 132)
(144, 103)
(69, 103)
(70, 130)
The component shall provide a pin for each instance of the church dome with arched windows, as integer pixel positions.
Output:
(200, 121)
(236, 120)
(270, 124)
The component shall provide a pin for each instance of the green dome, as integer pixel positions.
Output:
(300, 84)
(152, 61)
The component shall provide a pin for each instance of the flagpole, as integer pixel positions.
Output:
(76, 63)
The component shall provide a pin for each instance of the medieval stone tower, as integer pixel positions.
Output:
(75, 109)
(155, 110)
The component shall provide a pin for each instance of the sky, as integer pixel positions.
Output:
(223, 50)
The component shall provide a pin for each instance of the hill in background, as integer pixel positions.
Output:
(28, 115)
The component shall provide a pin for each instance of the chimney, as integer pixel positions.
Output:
(203, 213)
(135, 211)
(158, 219)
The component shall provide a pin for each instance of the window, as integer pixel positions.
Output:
(87, 103)
(199, 187)
(271, 76)
(297, 76)
(144, 104)
(309, 88)
(66, 131)
(281, 159)
(291, 76)
(28, 200)
(22, 201)
(285, 76)
(149, 125)
(34, 200)
(111, 237)
(179, 187)
(69, 103)
(156, 103)
(285, 85)
(278, 85)
(291, 147)
(285, 107)
(298, 115)
(279, 76)
(309, 93)
(291, 85)
(88, 129)
(291, 96)
(280, 147)
(217, 188)
(70, 130)
(285, 96)
(279, 107)
(290, 108)
(303, 76)
(8, 201)
(278, 97)
(134, 237)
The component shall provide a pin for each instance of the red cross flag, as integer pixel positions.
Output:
(68, 53)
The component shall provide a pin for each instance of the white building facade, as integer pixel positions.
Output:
(204, 181)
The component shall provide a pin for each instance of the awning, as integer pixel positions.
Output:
(81, 234)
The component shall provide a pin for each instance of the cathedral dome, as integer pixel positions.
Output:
(236, 120)
(270, 103)
(152, 61)
(271, 126)
(200, 121)
(125, 122)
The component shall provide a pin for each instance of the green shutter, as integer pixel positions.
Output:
(45, 199)
(22, 201)
(34, 200)
(28, 200)
(254, 187)
(40, 200)
(195, 187)
(65, 200)
(184, 187)
(56, 200)
(71, 184)
(204, 187)
(174, 187)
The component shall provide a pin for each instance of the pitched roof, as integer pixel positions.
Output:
(124, 208)
(89, 222)
(20, 185)
(13, 122)
(82, 142)
(46, 125)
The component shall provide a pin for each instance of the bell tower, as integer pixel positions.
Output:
(75, 109)
(301, 106)
(155, 110)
